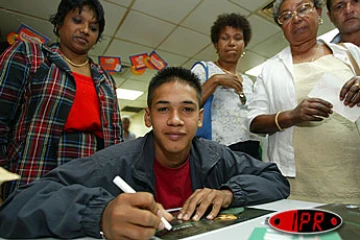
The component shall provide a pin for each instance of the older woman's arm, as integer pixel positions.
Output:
(310, 109)
(14, 69)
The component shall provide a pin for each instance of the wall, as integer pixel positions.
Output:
(137, 124)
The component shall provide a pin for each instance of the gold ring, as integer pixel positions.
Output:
(357, 85)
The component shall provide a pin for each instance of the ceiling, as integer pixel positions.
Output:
(178, 30)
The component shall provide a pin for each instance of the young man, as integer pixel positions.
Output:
(79, 198)
(345, 15)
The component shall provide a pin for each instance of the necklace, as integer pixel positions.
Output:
(241, 94)
(76, 65)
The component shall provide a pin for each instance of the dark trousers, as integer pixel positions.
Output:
(250, 147)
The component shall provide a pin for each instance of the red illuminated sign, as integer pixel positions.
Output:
(305, 221)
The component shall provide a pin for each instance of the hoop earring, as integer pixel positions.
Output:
(321, 21)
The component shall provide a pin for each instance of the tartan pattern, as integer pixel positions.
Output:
(69, 147)
(37, 89)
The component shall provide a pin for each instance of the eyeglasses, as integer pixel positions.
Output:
(301, 11)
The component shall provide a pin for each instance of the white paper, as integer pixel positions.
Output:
(328, 88)
(7, 176)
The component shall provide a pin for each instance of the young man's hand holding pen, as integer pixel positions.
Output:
(134, 216)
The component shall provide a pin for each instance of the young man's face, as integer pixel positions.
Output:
(345, 15)
(175, 116)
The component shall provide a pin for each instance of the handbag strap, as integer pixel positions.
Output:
(205, 66)
(352, 60)
(206, 130)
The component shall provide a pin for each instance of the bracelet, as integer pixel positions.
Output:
(277, 122)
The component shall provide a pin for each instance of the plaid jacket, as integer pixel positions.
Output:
(37, 89)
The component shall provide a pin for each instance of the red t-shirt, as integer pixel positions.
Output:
(173, 185)
(84, 115)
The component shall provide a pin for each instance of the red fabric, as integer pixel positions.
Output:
(84, 115)
(173, 185)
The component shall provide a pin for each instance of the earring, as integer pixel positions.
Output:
(321, 21)
(243, 54)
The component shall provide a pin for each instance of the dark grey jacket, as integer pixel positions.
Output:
(69, 200)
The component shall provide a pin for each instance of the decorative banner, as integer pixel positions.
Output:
(28, 34)
(138, 61)
(137, 72)
(11, 38)
(110, 64)
(148, 65)
(156, 61)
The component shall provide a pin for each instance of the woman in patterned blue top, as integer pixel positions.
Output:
(232, 90)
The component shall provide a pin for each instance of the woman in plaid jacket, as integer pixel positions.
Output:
(56, 103)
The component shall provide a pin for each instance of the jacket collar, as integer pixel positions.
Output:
(286, 57)
(143, 167)
(338, 51)
(204, 155)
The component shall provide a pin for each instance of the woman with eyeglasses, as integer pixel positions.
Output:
(314, 146)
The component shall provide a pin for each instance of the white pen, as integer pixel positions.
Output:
(127, 189)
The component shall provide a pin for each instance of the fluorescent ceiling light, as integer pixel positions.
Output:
(327, 37)
(128, 94)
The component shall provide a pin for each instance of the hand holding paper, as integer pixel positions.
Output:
(7, 176)
(328, 88)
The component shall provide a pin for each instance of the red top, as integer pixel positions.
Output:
(173, 185)
(84, 115)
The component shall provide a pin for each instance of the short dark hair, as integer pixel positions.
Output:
(233, 20)
(67, 5)
(328, 5)
(171, 74)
